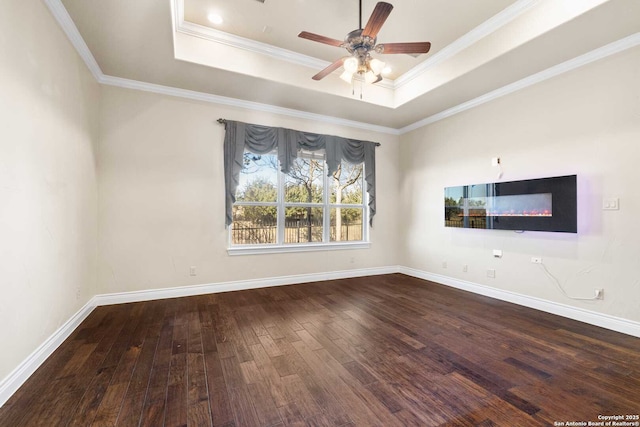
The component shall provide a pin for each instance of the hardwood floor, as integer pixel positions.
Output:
(375, 351)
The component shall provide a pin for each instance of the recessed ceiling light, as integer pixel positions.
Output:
(386, 70)
(214, 18)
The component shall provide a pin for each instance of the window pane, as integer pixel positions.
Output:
(258, 178)
(346, 184)
(303, 183)
(303, 225)
(346, 224)
(254, 225)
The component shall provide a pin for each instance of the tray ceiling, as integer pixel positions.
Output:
(255, 55)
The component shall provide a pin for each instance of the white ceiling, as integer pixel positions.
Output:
(478, 48)
(335, 18)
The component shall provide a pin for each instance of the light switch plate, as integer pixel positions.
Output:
(610, 204)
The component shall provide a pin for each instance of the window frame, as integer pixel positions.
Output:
(326, 206)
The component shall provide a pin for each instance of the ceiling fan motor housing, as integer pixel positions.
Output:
(356, 43)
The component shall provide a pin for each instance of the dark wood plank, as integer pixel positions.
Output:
(177, 389)
(314, 382)
(119, 324)
(298, 394)
(199, 412)
(136, 392)
(268, 373)
(112, 400)
(153, 411)
(114, 397)
(263, 403)
(384, 350)
(219, 406)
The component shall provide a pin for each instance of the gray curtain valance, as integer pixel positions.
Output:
(264, 139)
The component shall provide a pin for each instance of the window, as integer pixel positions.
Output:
(304, 208)
(317, 203)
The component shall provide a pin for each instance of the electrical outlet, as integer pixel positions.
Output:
(444, 264)
(611, 204)
(599, 293)
(536, 260)
(465, 268)
(491, 273)
(192, 270)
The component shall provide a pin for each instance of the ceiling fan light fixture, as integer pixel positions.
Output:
(370, 77)
(351, 65)
(376, 66)
(347, 76)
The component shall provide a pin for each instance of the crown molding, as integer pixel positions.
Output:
(473, 36)
(570, 65)
(239, 103)
(217, 36)
(489, 26)
(61, 15)
(238, 42)
(68, 26)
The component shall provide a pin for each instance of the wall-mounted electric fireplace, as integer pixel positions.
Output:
(546, 204)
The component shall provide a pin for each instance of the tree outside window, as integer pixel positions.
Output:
(302, 206)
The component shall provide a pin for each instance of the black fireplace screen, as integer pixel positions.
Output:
(546, 204)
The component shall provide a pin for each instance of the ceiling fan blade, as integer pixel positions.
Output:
(320, 39)
(379, 15)
(330, 69)
(379, 79)
(410, 48)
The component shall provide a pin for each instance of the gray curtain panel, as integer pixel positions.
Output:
(264, 139)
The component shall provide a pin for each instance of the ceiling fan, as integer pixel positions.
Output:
(360, 43)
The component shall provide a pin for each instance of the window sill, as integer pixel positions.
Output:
(275, 249)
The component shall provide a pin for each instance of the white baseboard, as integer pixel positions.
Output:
(24, 370)
(211, 288)
(10, 384)
(617, 324)
(20, 374)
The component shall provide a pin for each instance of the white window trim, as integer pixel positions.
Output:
(297, 247)
(326, 245)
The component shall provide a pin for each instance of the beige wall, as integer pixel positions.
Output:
(48, 190)
(585, 122)
(161, 207)
(160, 184)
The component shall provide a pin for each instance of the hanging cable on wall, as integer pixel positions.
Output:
(555, 280)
